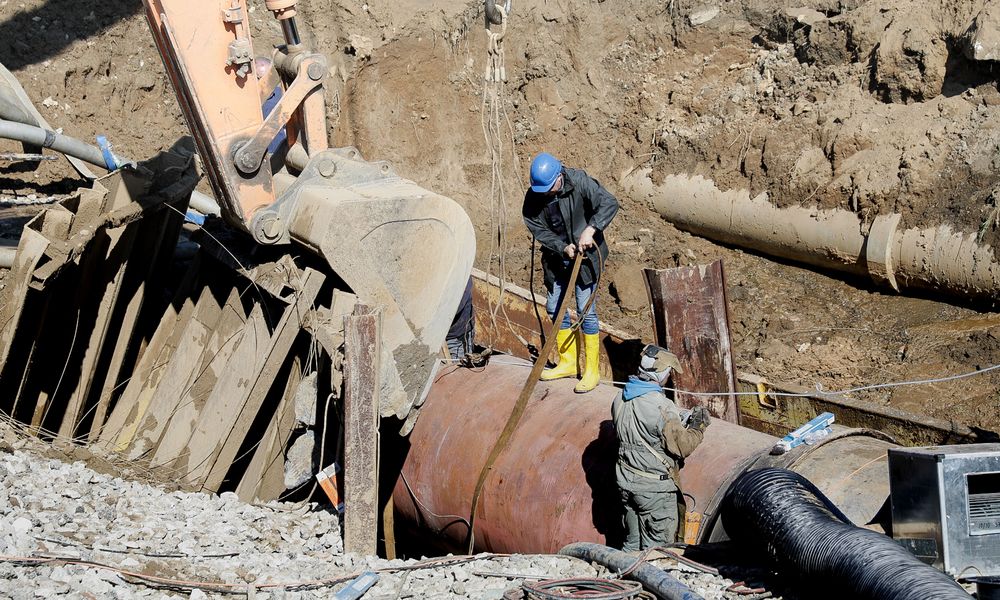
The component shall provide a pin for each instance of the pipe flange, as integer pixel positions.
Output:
(878, 250)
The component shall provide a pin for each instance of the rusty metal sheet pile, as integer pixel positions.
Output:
(691, 319)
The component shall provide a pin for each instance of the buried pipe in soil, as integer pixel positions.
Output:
(936, 258)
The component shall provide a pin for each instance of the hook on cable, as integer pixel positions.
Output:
(493, 15)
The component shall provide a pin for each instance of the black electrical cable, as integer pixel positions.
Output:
(783, 514)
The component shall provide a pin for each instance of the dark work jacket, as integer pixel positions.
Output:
(559, 220)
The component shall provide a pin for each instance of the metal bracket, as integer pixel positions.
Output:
(311, 73)
(338, 167)
(240, 53)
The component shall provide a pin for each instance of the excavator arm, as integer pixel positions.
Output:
(399, 247)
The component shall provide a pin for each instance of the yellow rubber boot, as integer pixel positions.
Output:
(568, 365)
(591, 363)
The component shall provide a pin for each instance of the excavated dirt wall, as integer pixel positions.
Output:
(871, 106)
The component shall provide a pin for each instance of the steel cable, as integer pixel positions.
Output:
(654, 580)
(597, 589)
(781, 513)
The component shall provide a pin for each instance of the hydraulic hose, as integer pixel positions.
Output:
(79, 149)
(655, 581)
(782, 514)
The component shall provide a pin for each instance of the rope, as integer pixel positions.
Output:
(819, 388)
(522, 402)
(495, 69)
(498, 132)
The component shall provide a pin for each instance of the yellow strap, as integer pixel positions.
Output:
(522, 402)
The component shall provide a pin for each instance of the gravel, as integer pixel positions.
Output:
(60, 514)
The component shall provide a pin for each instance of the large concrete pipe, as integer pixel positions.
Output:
(934, 258)
(555, 484)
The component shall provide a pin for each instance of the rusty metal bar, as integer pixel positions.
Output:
(778, 415)
(362, 350)
(691, 319)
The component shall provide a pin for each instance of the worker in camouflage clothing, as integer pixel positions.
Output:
(654, 438)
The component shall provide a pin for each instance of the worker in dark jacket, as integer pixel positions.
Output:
(654, 438)
(567, 211)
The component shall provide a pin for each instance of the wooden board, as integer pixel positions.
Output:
(13, 374)
(131, 406)
(267, 461)
(691, 319)
(110, 276)
(30, 251)
(266, 369)
(362, 350)
(176, 376)
(223, 348)
(151, 243)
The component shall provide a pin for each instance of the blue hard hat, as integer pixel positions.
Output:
(545, 169)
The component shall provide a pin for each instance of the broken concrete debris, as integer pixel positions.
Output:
(703, 15)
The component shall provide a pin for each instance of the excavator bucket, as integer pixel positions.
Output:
(398, 247)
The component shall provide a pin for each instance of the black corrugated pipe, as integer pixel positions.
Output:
(783, 514)
(654, 580)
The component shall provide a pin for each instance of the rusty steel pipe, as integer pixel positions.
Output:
(555, 484)
(558, 473)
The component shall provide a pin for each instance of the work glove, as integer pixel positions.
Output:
(699, 418)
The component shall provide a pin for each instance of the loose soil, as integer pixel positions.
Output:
(872, 106)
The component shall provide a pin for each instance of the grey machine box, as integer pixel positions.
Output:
(946, 506)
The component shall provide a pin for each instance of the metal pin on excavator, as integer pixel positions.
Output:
(395, 244)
